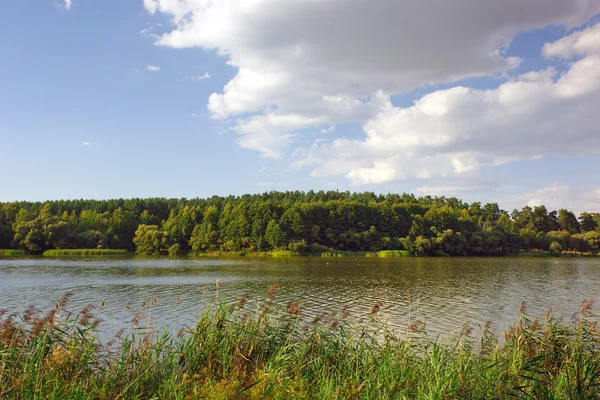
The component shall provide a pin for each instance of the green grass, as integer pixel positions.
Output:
(266, 350)
(282, 253)
(84, 252)
(333, 254)
(393, 253)
(288, 253)
(10, 252)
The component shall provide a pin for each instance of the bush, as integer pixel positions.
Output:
(175, 250)
(85, 252)
(555, 248)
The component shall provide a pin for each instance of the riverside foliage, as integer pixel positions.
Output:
(265, 350)
(296, 223)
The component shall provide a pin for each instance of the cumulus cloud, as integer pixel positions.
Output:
(153, 68)
(202, 77)
(447, 190)
(556, 196)
(328, 129)
(67, 4)
(328, 62)
(459, 130)
(86, 143)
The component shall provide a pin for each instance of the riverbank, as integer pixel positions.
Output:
(279, 253)
(12, 253)
(265, 350)
(85, 252)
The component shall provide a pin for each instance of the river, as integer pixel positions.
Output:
(445, 293)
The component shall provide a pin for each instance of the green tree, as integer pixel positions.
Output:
(274, 236)
(205, 236)
(587, 222)
(150, 240)
(567, 221)
(556, 248)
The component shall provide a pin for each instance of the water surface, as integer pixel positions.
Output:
(446, 293)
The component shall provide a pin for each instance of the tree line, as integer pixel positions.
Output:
(306, 223)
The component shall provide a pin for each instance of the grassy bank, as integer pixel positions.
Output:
(10, 252)
(84, 252)
(262, 350)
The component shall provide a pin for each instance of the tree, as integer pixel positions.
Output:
(567, 221)
(205, 236)
(541, 220)
(556, 248)
(6, 232)
(593, 240)
(307, 222)
(180, 226)
(33, 233)
(587, 222)
(274, 236)
(149, 240)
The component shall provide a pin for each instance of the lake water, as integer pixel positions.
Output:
(445, 292)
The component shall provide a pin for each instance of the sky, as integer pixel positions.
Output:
(494, 101)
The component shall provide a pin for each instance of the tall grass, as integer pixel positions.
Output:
(333, 254)
(11, 252)
(85, 252)
(393, 253)
(282, 253)
(266, 350)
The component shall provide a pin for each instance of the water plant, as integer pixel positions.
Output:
(84, 252)
(12, 252)
(265, 349)
(393, 253)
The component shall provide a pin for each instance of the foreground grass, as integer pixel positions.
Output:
(11, 252)
(84, 252)
(258, 350)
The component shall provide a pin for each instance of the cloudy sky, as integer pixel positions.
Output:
(483, 100)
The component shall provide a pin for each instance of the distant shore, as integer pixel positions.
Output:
(281, 253)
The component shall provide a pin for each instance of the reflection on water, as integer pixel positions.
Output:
(446, 292)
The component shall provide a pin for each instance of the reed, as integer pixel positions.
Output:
(333, 254)
(11, 252)
(282, 253)
(270, 350)
(84, 252)
(393, 253)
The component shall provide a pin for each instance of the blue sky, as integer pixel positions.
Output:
(189, 99)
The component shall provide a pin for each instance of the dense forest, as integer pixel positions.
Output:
(306, 223)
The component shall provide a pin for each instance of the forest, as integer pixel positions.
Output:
(308, 223)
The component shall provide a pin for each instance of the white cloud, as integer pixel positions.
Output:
(328, 60)
(329, 129)
(447, 190)
(68, 4)
(153, 68)
(459, 130)
(557, 196)
(86, 143)
(149, 32)
(262, 169)
(202, 77)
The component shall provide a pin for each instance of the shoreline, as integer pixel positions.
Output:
(81, 253)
